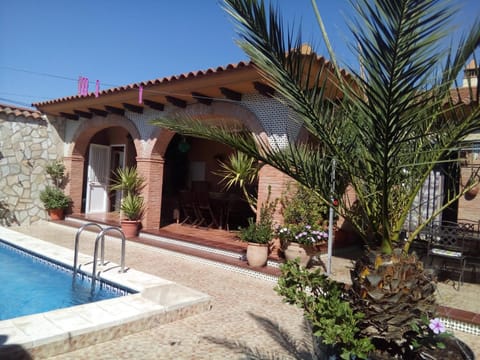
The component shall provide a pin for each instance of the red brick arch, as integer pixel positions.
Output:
(229, 112)
(153, 163)
(75, 154)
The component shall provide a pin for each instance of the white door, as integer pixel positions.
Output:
(117, 160)
(97, 179)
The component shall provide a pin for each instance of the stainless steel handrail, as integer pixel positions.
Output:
(77, 239)
(101, 235)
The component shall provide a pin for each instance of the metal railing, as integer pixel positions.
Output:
(100, 238)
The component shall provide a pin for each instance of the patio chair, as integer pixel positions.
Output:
(446, 246)
(205, 209)
(190, 211)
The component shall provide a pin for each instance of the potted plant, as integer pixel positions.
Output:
(55, 202)
(132, 208)
(258, 235)
(301, 241)
(53, 198)
(130, 183)
(304, 233)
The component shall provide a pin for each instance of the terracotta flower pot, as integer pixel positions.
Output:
(130, 228)
(303, 252)
(257, 254)
(473, 192)
(56, 214)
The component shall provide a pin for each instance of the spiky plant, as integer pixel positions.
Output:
(240, 170)
(386, 127)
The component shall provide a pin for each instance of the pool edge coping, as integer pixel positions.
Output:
(35, 332)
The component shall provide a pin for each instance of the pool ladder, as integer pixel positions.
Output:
(100, 238)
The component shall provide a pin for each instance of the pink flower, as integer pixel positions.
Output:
(437, 326)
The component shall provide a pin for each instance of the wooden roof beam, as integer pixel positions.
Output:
(202, 99)
(231, 94)
(83, 114)
(98, 112)
(176, 101)
(69, 116)
(154, 105)
(264, 89)
(133, 108)
(115, 110)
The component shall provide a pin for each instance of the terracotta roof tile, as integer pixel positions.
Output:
(158, 81)
(20, 111)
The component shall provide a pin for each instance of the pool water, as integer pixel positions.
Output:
(31, 285)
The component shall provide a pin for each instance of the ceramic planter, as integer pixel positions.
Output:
(130, 228)
(303, 252)
(257, 254)
(56, 214)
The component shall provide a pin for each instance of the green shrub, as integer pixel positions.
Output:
(54, 198)
(133, 207)
(326, 307)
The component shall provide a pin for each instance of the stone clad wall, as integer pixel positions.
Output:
(27, 144)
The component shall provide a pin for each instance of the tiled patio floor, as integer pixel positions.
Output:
(247, 318)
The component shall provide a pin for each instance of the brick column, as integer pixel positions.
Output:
(274, 179)
(152, 170)
(74, 166)
(469, 204)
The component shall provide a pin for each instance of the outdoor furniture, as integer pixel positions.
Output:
(205, 210)
(189, 208)
(446, 246)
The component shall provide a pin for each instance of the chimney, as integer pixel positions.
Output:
(471, 73)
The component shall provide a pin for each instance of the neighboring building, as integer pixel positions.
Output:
(27, 143)
(431, 197)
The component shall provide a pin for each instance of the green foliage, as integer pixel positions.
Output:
(304, 216)
(241, 170)
(54, 198)
(128, 180)
(262, 231)
(302, 206)
(56, 171)
(133, 206)
(302, 234)
(326, 306)
(421, 336)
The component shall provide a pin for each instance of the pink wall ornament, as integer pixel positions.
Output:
(82, 86)
(140, 94)
(97, 88)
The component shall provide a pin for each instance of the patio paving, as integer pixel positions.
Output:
(247, 320)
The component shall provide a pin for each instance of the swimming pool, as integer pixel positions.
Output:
(156, 301)
(32, 284)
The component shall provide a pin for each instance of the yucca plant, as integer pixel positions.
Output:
(385, 125)
(127, 180)
(132, 207)
(242, 171)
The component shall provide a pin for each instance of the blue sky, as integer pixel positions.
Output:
(122, 42)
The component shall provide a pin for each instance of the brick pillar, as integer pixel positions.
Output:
(469, 204)
(277, 181)
(74, 166)
(152, 170)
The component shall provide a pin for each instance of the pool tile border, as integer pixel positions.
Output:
(158, 301)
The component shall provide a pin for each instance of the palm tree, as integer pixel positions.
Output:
(386, 126)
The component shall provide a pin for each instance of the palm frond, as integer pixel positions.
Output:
(386, 130)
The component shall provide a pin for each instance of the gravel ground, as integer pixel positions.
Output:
(248, 319)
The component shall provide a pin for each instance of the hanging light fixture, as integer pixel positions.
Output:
(183, 145)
